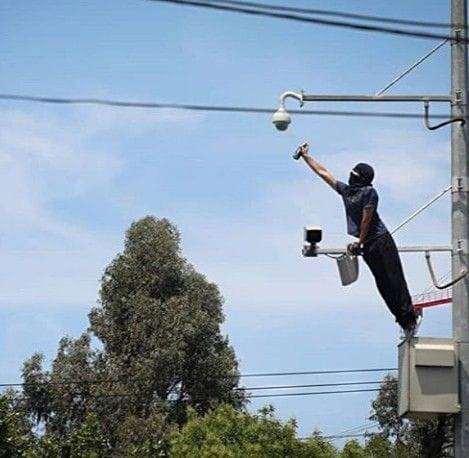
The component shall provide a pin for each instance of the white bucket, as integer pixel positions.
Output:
(348, 269)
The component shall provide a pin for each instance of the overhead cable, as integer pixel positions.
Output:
(346, 436)
(248, 388)
(343, 14)
(333, 436)
(260, 374)
(357, 429)
(341, 371)
(249, 396)
(205, 108)
(315, 385)
(311, 20)
(280, 395)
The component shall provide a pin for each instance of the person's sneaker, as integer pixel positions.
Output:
(418, 319)
(412, 329)
(409, 332)
(402, 334)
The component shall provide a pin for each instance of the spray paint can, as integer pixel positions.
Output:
(297, 153)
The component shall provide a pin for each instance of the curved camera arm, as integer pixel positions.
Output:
(292, 95)
(426, 105)
(462, 274)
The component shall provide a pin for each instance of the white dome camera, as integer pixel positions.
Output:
(281, 119)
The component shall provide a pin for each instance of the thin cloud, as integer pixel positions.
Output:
(46, 162)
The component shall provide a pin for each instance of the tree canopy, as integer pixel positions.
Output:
(153, 347)
(228, 433)
(426, 438)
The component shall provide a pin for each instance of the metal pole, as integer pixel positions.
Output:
(460, 201)
(401, 249)
(369, 98)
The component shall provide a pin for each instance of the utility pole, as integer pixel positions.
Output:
(459, 211)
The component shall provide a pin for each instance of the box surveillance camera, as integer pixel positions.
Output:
(313, 234)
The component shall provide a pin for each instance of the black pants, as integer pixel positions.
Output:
(382, 258)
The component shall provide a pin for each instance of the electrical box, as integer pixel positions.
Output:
(428, 377)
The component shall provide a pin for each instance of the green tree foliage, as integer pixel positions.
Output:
(158, 349)
(380, 447)
(159, 322)
(60, 397)
(318, 447)
(229, 433)
(353, 449)
(85, 441)
(430, 438)
(15, 439)
(144, 436)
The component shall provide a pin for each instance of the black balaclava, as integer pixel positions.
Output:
(361, 175)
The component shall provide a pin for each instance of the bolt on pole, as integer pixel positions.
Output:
(459, 212)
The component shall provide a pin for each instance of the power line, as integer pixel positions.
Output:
(341, 371)
(284, 387)
(248, 388)
(248, 396)
(280, 395)
(260, 374)
(357, 429)
(342, 14)
(273, 395)
(206, 108)
(306, 19)
(346, 436)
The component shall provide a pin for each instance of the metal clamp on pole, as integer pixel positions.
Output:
(426, 105)
(433, 276)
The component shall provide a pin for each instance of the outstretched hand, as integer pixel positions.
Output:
(304, 149)
(301, 151)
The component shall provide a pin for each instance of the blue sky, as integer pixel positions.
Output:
(73, 178)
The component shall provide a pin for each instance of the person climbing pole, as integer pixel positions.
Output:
(375, 242)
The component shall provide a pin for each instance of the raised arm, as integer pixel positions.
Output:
(317, 168)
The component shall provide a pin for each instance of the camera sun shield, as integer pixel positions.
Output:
(313, 234)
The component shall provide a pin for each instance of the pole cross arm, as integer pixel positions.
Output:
(282, 119)
(375, 98)
(314, 251)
